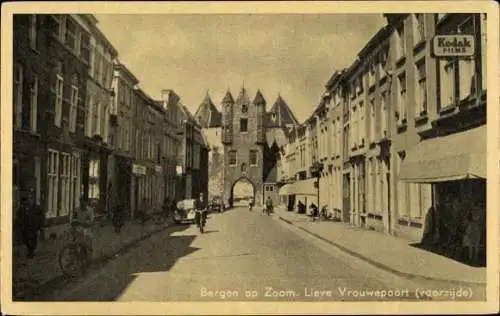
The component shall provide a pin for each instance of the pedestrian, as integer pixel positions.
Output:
(472, 236)
(429, 228)
(30, 219)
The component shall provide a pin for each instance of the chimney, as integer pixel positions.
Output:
(165, 96)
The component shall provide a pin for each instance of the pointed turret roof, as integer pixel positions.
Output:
(259, 98)
(283, 115)
(207, 114)
(243, 97)
(228, 98)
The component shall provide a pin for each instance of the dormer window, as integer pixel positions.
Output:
(273, 116)
(244, 108)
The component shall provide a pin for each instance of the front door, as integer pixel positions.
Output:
(346, 203)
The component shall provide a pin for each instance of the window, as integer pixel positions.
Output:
(418, 27)
(483, 51)
(372, 120)
(38, 177)
(95, 118)
(401, 115)
(362, 124)
(420, 199)
(253, 157)
(447, 82)
(18, 95)
(58, 96)
(56, 25)
(73, 104)
(244, 108)
(243, 125)
(52, 179)
(32, 32)
(65, 184)
(466, 72)
(70, 39)
(75, 182)
(34, 103)
(421, 95)
(371, 75)
(232, 158)
(94, 179)
(401, 41)
(85, 47)
(97, 64)
(383, 114)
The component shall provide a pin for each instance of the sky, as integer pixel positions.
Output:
(292, 55)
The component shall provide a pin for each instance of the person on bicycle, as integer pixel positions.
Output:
(84, 218)
(269, 205)
(201, 210)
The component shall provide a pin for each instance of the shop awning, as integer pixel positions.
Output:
(453, 157)
(286, 189)
(305, 187)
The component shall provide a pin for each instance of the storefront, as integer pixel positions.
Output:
(455, 166)
(138, 187)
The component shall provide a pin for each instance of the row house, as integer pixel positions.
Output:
(148, 181)
(32, 97)
(439, 137)
(123, 116)
(99, 99)
(171, 141)
(54, 60)
(193, 157)
(400, 130)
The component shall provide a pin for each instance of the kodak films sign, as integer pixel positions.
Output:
(453, 45)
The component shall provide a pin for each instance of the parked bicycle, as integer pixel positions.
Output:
(75, 256)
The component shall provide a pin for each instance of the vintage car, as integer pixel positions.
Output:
(185, 211)
(216, 205)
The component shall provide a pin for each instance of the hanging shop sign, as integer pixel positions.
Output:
(453, 45)
(138, 170)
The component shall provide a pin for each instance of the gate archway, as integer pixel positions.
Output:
(242, 191)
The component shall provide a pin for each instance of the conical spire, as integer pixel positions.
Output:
(228, 98)
(259, 99)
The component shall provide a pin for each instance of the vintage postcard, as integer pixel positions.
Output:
(250, 158)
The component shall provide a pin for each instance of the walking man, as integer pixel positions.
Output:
(30, 219)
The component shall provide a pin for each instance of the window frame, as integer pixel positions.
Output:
(421, 85)
(74, 103)
(243, 120)
(34, 103)
(18, 95)
(230, 158)
(59, 95)
(73, 45)
(33, 40)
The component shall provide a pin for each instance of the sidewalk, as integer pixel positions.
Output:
(389, 253)
(30, 275)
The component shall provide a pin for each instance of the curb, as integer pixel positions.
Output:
(409, 276)
(49, 285)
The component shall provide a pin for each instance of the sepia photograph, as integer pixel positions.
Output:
(186, 154)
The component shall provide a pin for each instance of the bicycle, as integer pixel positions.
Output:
(75, 256)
